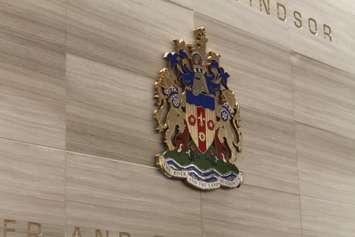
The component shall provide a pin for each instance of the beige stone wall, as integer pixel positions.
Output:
(77, 137)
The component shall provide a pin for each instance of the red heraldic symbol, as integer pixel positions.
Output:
(201, 125)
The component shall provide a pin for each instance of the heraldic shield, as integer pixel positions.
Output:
(201, 124)
(198, 116)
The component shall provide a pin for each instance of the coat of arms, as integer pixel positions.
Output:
(198, 116)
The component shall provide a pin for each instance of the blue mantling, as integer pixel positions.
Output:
(203, 100)
(215, 76)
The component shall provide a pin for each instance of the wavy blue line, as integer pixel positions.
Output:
(211, 170)
(211, 175)
(204, 175)
(206, 172)
(209, 180)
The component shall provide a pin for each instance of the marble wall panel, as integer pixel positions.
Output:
(269, 157)
(132, 35)
(326, 165)
(32, 70)
(122, 196)
(251, 211)
(324, 96)
(325, 218)
(32, 180)
(110, 112)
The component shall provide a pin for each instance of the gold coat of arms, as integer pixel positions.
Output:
(198, 116)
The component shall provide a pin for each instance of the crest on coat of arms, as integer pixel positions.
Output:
(198, 116)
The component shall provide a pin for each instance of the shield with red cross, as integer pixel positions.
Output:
(201, 123)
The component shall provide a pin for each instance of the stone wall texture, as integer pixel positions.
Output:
(77, 137)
